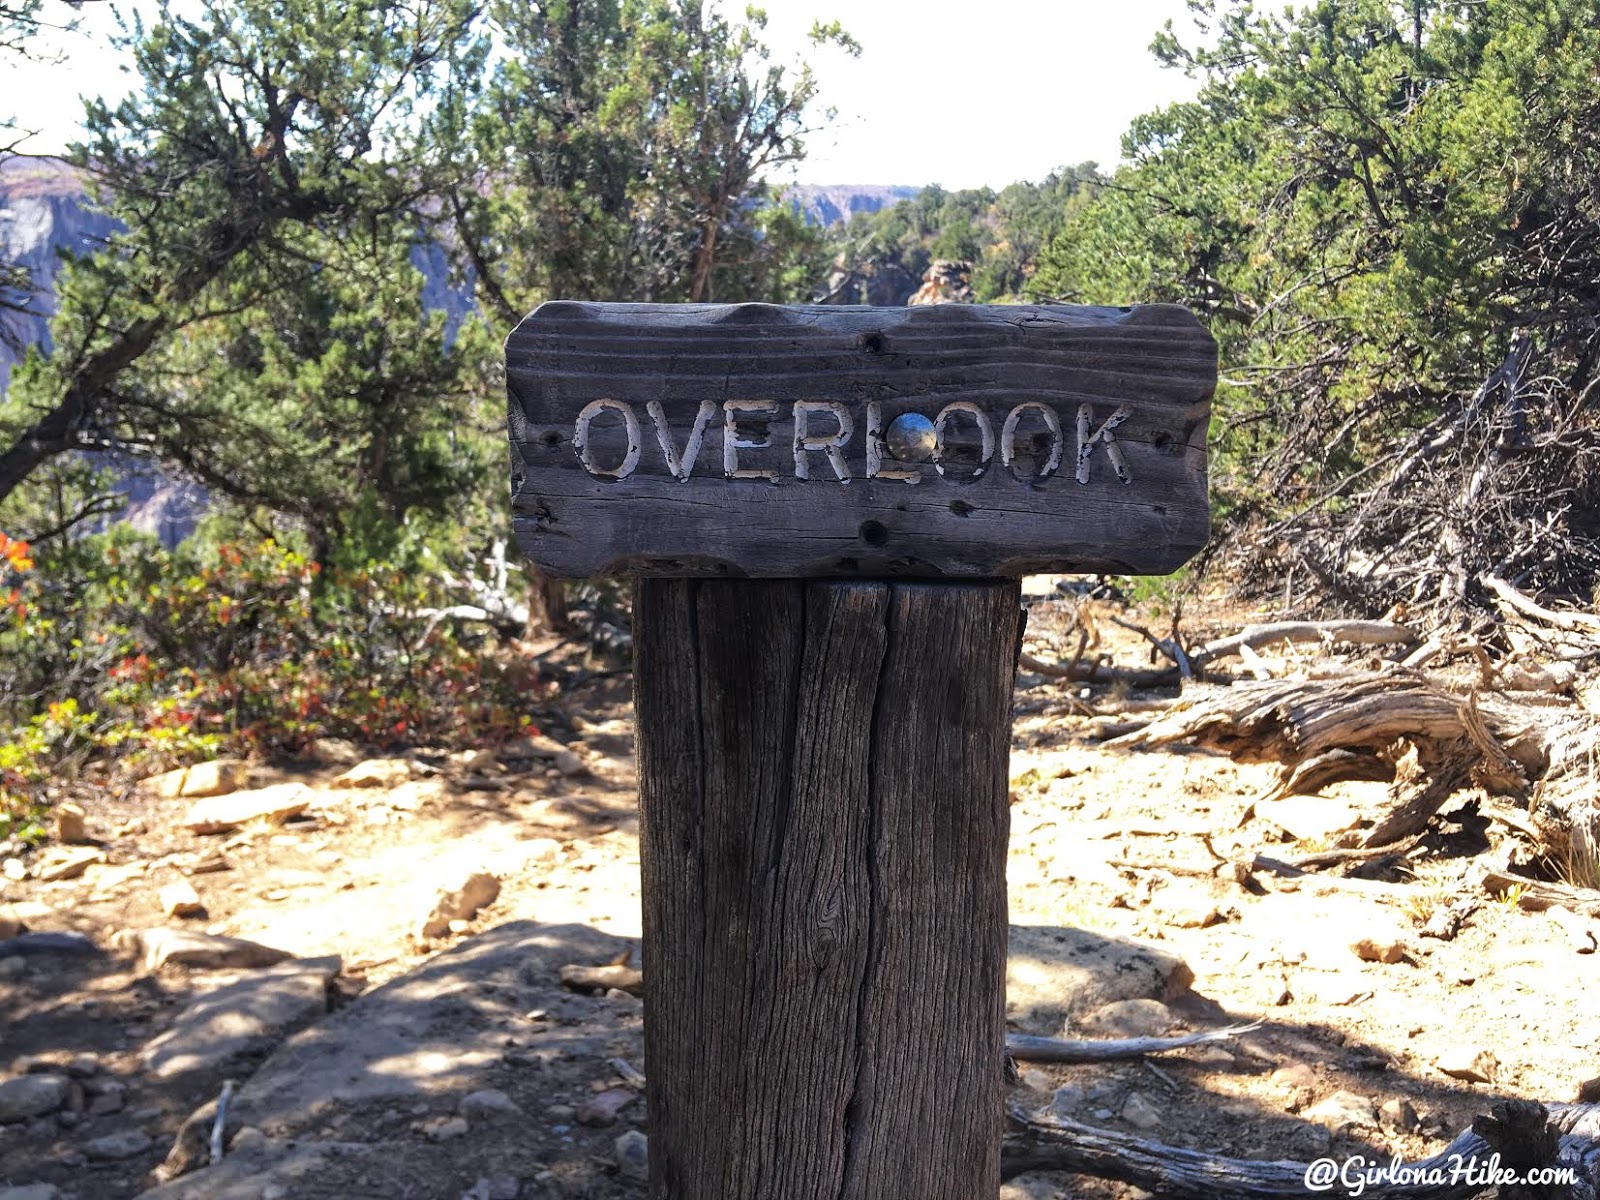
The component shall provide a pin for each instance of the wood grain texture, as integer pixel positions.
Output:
(823, 836)
(1101, 394)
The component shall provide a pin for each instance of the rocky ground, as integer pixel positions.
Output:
(373, 951)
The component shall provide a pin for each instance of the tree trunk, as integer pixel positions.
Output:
(705, 259)
(823, 837)
(57, 430)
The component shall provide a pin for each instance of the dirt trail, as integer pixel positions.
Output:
(1352, 1055)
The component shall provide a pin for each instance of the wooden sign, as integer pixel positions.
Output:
(753, 440)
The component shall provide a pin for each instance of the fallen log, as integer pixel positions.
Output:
(1525, 1136)
(1098, 671)
(1330, 858)
(1027, 1048)
(1529, 607)
(1294, 720)
(1473, 739)
(1355, 633)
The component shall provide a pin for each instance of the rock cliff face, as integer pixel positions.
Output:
(44, 211)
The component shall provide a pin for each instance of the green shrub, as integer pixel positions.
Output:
(160, 657)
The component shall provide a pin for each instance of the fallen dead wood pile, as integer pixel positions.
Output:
(1525, 1135)
(1501, 484)
(1426, 740)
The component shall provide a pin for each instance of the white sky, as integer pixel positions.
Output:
(960, 94)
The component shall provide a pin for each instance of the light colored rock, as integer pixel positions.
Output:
(473, 762)
(438, 1030)
(414, 794)
(13, 868)
(558, 814)
(1035, 1081)
(447, 1129)
(215, 778)
(249, 1140)
(1294, 1077)
(10, 923)
(459, 902)
(71, 822)
(539, 748)
(1068, 1099)
(1054, 974)
(335, 752)
(31, 912)
(489, 1102)
(1140, 1112)
(58, 1062)
(66, 862)
(1473, 1064)
(179, 899)
(1212, 1057)
(1197, 915)
(222, 813)
(191, 948)
(375, 772)
(632, 1151)
(1398, 1116)
(241, 1018)
(1129, 1019)
(32, 1096)
(1341, 1112)
(123, 1144)
(541, 850)
(1382, 949)
(604, 1109)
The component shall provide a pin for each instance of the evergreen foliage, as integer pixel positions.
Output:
(1000, 234)
(1367, 201)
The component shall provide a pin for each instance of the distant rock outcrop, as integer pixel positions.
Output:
(945, 282)
(828, 204)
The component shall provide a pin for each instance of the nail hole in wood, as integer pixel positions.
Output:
(874, 343)
(873, 534)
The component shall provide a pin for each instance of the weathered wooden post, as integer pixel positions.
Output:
(828, 510)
